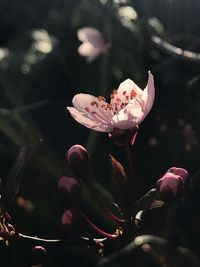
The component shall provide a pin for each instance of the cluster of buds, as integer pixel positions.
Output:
(69, 187)
(73, 220)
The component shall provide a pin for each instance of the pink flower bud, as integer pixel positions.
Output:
(181, 173)
(71, 222)
(169, 187)
(38, 253)
(77, 160)
(70, 190)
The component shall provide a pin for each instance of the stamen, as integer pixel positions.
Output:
(118, 100)
(133, 94)
(101, 98)
(94, 103)
(93, 113)
(109, 106)
(127, 97)
(114, 92)
(87, 109)
(124, 92)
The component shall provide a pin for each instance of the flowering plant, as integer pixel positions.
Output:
(128, 107)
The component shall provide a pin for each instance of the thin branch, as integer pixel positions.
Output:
(174, 50)
(35, 238)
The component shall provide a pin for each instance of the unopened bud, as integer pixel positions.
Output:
(38, 253)
(71, 222)
(181, 173)
(169, 187)
(77, 160)
(70, 190)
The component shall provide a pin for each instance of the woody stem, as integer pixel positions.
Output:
(96, 229)
(131, 173)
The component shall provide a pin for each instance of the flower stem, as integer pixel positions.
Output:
(96, 229)
(101, 204)
(131, 173)
(39, 239)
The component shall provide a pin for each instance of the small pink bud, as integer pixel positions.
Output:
(169, 187)
(182, 173)
(38, 253)
(69, 189)
(77, 160)
(71, 222)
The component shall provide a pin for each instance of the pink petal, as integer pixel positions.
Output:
(128, 117)
(149, 94)
(89, 51)
(88, 122)
(89, 34)
(96, 108)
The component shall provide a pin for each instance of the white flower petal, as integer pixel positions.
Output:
(88, 122)
(89, 51)
(128, 85)
(93, 45)
(128, 117)
(149, 94)
(89, 34)
(85, 102)
(126, 92)
(93, 108)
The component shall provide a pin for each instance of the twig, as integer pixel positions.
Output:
(39, 239)
(174, 50)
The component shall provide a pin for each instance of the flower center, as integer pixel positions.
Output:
(118, 102)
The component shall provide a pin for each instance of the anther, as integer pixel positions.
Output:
(133, 94)
(109, 106)
(87, 109)
(101, 98)
(94, 103)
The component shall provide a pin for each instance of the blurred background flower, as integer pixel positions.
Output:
(94, 44)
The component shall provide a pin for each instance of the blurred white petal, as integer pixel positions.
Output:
(93, 45)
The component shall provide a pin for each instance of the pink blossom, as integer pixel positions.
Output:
(94, 44)
(128, 107)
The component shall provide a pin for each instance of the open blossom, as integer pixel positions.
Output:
(94, 44)
(128, 107)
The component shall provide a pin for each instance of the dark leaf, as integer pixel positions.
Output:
(150, 200)
(119, 185)
(166, 253)
(13, 180)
